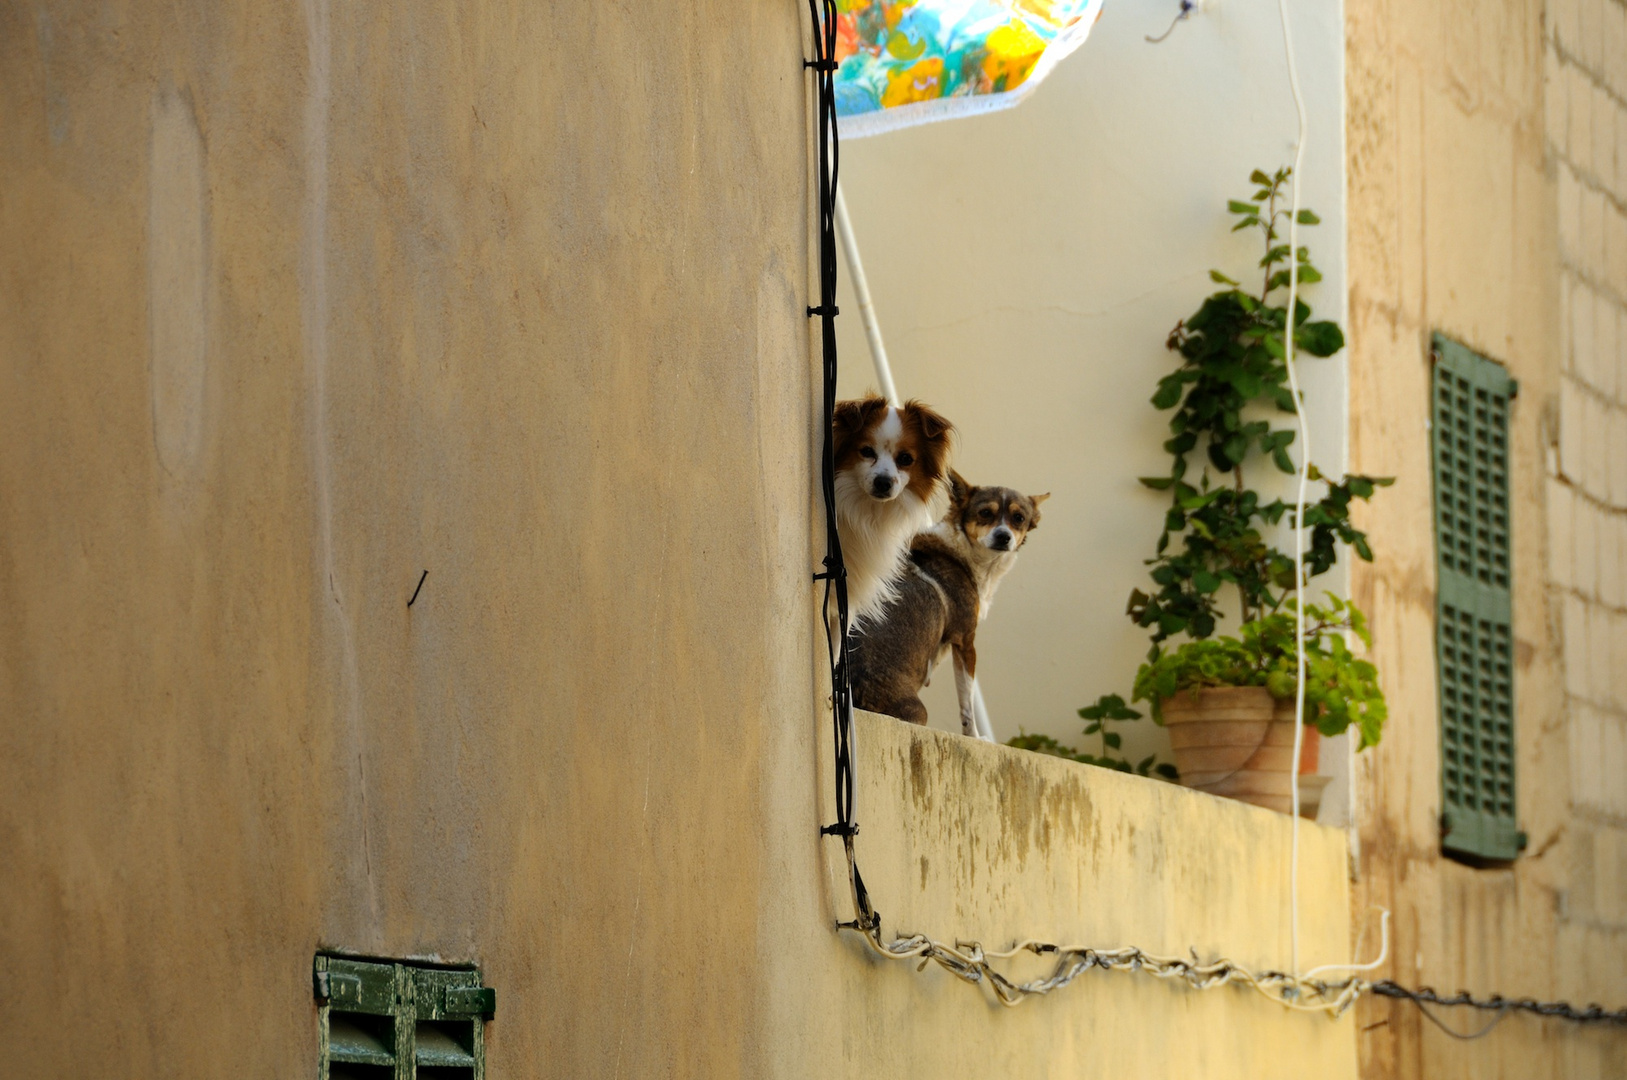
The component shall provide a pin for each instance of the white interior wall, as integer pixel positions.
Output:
(1027, 267)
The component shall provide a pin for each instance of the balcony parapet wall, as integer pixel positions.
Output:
(964, 840)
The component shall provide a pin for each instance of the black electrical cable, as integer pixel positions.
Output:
(1564, 1010)
(823, 65)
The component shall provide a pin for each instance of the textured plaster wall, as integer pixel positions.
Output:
(970, 842)
(299, 302)
(296, 302)
(1486, 202)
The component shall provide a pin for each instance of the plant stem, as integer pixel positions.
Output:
(1270, 235)
(1242, 594)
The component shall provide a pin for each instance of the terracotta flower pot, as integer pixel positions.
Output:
(1237, 741)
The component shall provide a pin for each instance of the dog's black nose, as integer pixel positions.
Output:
(882, 486)
(1001, 540)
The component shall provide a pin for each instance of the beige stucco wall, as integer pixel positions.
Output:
(301, 302)
(1480, 206)
(1027, 267)
(965, 841)
(296, 302)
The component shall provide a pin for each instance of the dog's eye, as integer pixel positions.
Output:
(1017, 519)
(985, 514)
(868, 453)
(905, 460)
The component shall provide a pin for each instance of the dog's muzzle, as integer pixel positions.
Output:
(882, 487)
(1000, 539)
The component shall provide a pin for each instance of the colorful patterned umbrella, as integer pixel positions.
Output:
(906, 62)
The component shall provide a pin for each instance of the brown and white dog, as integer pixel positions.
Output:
(945, 591)
(889, 463)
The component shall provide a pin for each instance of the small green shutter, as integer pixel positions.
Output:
(1474, 626)
(380, 1020)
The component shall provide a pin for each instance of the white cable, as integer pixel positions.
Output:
(867, 310)
(1383, 950)
(1299, 496)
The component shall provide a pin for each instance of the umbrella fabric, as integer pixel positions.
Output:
(915, 61)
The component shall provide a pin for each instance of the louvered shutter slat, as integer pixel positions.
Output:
(1474, 610)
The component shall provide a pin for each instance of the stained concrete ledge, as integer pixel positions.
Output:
(966, 840)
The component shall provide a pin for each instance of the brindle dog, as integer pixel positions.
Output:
(945, 591)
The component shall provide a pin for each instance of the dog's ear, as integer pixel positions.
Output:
(849, 417)
(933, 426)
(959, 492)
(845, 419)
(1033, 522)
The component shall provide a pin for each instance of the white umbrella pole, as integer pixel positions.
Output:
(884, 376)
(867, 310)
(980, 713)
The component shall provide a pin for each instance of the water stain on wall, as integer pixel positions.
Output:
(177, 268)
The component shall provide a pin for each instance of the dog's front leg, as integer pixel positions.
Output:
(965, 674)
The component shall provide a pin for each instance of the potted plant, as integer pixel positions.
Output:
(1228, 702)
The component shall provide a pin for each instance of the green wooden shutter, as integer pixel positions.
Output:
(388, 1021)
(1474, 626)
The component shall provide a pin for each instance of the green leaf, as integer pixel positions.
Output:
(1308, 275)
(1216, 275)
(1205, 582)
(1112, 739)
(1258, 176)
(1306, 217)
(1320, 338)
(1240, 207)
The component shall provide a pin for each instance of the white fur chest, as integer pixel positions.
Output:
(875, 536)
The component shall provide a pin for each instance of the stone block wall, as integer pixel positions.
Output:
(1487, 181)
(1585, 45)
